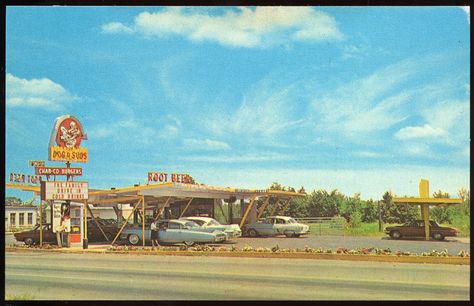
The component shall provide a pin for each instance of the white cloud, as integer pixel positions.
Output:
(417, 132)
(116, 27)
(368, 154)
(239, 27)
(240, 158)
(467, 10)
(205, 144)
(41, 93)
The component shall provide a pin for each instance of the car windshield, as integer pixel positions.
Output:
(434, 223)
(291, 220)
(214, 222)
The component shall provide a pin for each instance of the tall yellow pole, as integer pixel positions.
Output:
(143, 220)
(41, 222)
(85, 243)
(424, 189)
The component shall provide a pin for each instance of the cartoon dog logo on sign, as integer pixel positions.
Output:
(69, 133)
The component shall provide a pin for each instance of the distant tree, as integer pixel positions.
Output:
(397, 213)
(440, 194)
(369, 211)
(276, 186)
(323, 204)
(13, 201)
(302, 190)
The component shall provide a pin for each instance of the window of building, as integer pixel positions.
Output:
(30, 218)
(21, 219)
(12, 219)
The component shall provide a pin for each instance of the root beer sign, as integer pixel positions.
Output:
(65, 141)
(163, 177)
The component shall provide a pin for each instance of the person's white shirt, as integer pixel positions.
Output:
(153, 226)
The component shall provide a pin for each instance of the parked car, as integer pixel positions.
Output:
(417, 229)
(172, 232)
(33, 236)
(276, 225)
(109, 226)
(210, 225)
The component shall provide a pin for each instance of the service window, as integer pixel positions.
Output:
(21, 219)
(30, 218)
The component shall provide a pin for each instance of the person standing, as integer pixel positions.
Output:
(154, 234)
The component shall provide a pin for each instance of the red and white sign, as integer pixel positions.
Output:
(36, 163)
(174, 177)
(57, 190)
(58, 171)
(65, 141)
(24, 178)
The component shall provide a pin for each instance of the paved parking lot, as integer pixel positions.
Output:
(453, 245)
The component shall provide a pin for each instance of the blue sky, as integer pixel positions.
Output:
(359, 99)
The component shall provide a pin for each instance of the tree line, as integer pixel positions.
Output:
(321, 203)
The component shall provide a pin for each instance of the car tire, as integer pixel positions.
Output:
(29, 241)
(296, 235)
(289, 234)
(189, 243)
(252, 233)
(438, 236)
(133, 239)
(395, 234)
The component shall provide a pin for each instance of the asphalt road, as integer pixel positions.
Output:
(57, 276)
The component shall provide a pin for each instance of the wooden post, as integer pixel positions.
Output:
(262, 209)
(143, 220)
(185, 208)
(274, 207)
(126, 221)
(285, 207)
(247, 211)
(97, 223)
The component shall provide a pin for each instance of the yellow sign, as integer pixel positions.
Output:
(78, 155)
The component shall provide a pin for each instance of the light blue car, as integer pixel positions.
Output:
(173, 232)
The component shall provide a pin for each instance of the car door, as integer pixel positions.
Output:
(279, 226)
(48, 235)
(171, 234)
(419, 229)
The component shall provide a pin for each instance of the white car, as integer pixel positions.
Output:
(210, 224)
(276, 225)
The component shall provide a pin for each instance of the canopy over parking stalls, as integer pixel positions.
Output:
(425, 201)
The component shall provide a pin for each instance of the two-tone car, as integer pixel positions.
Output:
(210, 225)
(33, 236)
(416, 228)
(173, 232)
(276, 225)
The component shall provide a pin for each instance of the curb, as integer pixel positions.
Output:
(452, 260)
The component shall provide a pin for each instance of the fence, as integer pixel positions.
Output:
(325, 225)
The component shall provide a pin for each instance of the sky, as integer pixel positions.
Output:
(359, 99)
